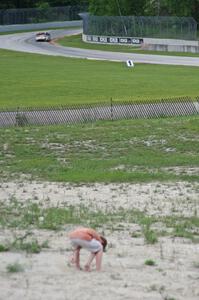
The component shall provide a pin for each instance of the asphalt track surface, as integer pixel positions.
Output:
(25, 42)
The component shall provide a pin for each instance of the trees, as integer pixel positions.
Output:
(118, 7)
(184, 8)
(180, 8)
(102, 7)
(6, 4)
(169, 7)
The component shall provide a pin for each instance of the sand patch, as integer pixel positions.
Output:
(179, 198)
(47, 275)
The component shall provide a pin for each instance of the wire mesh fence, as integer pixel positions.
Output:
(40, 15)
(102, 111)
(139, 26)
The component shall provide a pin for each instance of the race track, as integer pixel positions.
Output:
(25, 42)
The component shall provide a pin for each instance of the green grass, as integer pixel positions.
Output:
(15, 268)
(29, 215)
(76, 41)
(38, 80)
(56, 218)
(118, 151)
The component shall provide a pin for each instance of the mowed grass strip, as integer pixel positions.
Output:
(39, 80)
(76, 41)
(117, 151)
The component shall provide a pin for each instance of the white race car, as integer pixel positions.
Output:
(43, 37)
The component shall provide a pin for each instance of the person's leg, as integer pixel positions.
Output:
(98, 257)
(72, 258)
(77, 258)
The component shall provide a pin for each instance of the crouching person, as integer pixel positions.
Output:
(90, 240)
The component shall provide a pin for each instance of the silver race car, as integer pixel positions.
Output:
(43, 37)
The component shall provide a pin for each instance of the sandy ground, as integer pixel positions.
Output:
(124, 275)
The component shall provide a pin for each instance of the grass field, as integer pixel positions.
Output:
(118, 151)
(76, 41)
(36, 80)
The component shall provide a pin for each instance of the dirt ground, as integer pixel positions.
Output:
(48, 274)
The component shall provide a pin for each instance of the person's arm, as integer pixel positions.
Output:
(90, 259)
(94, 235)
(98, 256)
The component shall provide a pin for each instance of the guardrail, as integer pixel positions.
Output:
(102, 111)
(39, 26)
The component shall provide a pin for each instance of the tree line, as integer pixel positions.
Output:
(6, 4)
(186, 8)
(180, 8)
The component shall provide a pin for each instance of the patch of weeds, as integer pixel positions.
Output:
(32, 213)
(15, 268)
(149, 262)
(18, 215)
(135, 234)
(153, 287)
(180, 231)
(45, 244)
(4, 248)
(54, 218)
(30, 247)
(163, 233)
(149, 235)
(24, 216)
(196, 264)
(145, 222)
(184, 227)
(121, 255)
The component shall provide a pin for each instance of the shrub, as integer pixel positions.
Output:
(15, 268)
(150, 235)
(149, 262)
(3, 248)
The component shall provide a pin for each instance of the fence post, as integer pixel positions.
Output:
(111, 109)
(20, 118)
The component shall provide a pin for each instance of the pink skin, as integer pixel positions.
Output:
(98, 257)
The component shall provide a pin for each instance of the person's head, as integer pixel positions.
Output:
(104, 243)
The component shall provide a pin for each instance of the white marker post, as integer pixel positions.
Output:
(129, 63)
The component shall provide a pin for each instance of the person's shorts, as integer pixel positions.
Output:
(92, 246)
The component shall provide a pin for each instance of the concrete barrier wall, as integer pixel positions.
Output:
(171, 48)
(172, 42)
(171, 45)
(38, 26)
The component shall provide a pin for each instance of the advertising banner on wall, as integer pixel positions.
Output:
(114, 40)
